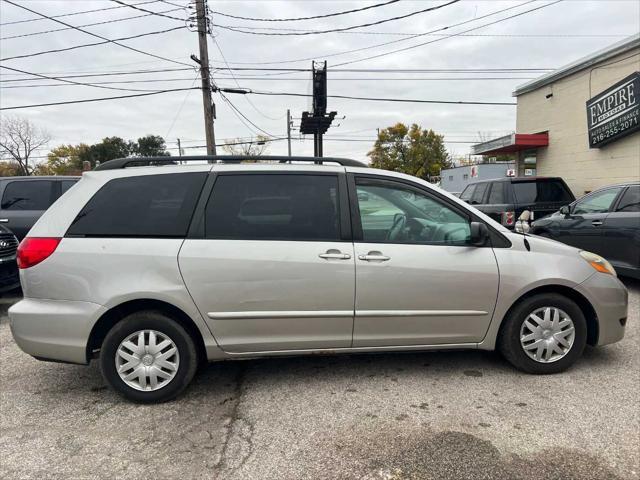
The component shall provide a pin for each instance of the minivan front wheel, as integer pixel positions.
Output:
(545, 333)
(148, 357)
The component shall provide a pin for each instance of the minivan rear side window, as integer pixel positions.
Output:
(542, 190)
(273, 207)
(28, 195)
(155, 206)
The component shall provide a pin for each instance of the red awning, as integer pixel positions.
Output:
(511, 143)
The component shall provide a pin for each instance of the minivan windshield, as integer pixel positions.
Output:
(542, 190)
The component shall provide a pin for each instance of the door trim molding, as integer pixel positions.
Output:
(279, 314)
(420, 313)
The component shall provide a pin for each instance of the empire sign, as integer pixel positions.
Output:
(615, 112)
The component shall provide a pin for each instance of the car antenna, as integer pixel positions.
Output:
(524, 217)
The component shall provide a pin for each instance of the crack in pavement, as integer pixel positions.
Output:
(237, 445)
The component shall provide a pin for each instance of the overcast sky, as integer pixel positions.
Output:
(547, 38)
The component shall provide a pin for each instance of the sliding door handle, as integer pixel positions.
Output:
(335, 255)
(374, 257)
(4, 220)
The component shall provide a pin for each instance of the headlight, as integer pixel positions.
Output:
(599, 263)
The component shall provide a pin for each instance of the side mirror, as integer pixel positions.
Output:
(479, 234)
(565, 210)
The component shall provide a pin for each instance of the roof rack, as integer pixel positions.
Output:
(119, 163)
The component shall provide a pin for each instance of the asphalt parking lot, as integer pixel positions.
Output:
(438, 415)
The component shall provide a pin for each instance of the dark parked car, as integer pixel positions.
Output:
(606, 222)
(9, 278)
(24, 199)
(504, 199)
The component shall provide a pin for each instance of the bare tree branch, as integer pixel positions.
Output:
(19, 138)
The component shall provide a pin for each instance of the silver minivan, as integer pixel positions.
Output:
(153, 268)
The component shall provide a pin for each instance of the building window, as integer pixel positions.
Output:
(451, 178)
(465, 176)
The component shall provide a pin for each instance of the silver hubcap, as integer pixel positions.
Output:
(547, 334)
(147, 360)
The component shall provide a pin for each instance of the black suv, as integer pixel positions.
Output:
(504, 199)
(24, 199)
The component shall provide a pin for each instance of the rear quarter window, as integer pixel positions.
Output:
(142, 206)
(540, 191)
(28, 195)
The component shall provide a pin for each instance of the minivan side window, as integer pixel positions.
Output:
(154, 206)
(598, 202)
(630, 201)
(27, 195)
(274, 207)
(392, 213)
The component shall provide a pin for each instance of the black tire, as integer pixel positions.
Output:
(149, 320)
(509, 336)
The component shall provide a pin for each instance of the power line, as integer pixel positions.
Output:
(72, 14)
(335, 14)
(102, 99)
(73, 82)
(182, 79)
(342, 29)
(452, 35)
(114, 41)
(159, 14)
(107, 40)
(234, 108)
(215, 42)
(82, 26)
(103, 74)
(380, 99)
(355, 50)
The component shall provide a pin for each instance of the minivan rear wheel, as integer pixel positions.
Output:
(147, 357)
(543, 334)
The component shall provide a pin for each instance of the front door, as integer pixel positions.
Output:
(622, 232)
(274, 270)
(418, 281)
(583, 227)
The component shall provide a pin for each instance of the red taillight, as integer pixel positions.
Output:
(508, 218)
(33, 250)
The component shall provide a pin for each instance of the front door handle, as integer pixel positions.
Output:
(374, 257)
(596, 223)
(4, 220)
(335, 255)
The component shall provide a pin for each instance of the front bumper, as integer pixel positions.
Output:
(55, 330)
(609, 298)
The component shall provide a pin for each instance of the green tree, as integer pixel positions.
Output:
(108, 149)
(412, 150)
(64, 160)
(151, 146)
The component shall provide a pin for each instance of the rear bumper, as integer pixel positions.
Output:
(55, 330)
(609, 298)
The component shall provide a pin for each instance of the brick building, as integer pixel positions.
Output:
(580, 122)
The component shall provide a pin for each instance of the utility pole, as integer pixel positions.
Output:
(289, 131)
(207, 102)
(318, 121)
(179, 149)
